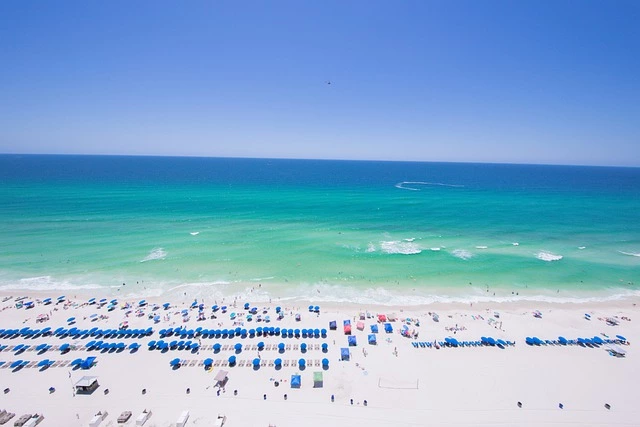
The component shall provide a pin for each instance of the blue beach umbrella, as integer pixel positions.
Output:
(302, 363)
(91, 301)
(166, 305)
(142, 303)
(175, 362)
(16, 364)
(45, 362)
(260, 345)
(61, 298)
(151, 344)
(71, 319)
(277, 362)
(238, 348)
(77, 361)
(65, 347)
(216, 347)
(46, 301)
(208, 362)
(303, 347)
(325, 347)
(232, 360)
(621, 338)
(281, 347)
(325, 362)
(134, 346)
(256, 363)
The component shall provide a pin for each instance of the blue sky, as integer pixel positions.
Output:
(493, 81)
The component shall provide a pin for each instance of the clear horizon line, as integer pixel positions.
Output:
(318, 159)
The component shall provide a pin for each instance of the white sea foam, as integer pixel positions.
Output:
(630, 253)
(516, 244)
(434, 249)
(411, 239)
(155, 253)
(481, 247)
(548, 256)
(582, 247)
(414, 185)
(371, 247)
(194, 233)
(46, 283)
(398, 247)
(462, 254)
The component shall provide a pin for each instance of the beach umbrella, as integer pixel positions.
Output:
(142, 303)
(620, 337)
(325, 346)
(46, 301)
(276, 331)
(281, 347)
(297, 332)
(310, 308)
(562, 340)
(120, 346)
(325, 362)
(113, 301)
(103, 301)
(65, 347)
(302, 363)
(256, 363)
(215, 308)
(323, 332)
(175, 362)
(316, 309)
(71, 319)
(259, 330)
(134, 346)
(316, 333)
(490, 341)
(232, 360)
(104, 346)
(45, 362)
(267, 318)
(216, 347)
(194, 345)
(223, 308)
(45, 331)
(246, 306)
(151, 344)
(91, 301)
(166, 305)
(90, 344)
(61, 298)
(303, 347)
(16, 364)
(76, 362)
(597, 340)
(277, 362)
(238, 348)
(260, 345)
(208, 362)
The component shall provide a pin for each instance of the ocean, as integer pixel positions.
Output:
(357, 231)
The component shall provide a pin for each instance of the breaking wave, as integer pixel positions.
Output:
(630, 253)
(462, 254)
(548, 256)
(400, 247)
(156, 253)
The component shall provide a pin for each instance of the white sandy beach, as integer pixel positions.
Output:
(402, 384)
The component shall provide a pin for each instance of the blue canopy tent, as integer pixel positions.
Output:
(333, 325)
(374, 329)
(372, 339)
(344, 354)
(295, 381)
(352, 340)
(232, 360)
(388, 328)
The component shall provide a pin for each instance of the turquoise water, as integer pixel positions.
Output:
(325, 230)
